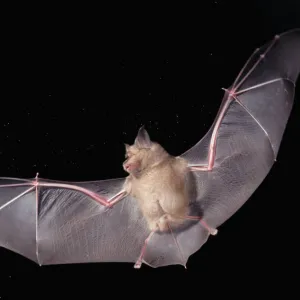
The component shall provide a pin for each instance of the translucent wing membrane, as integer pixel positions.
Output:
(52, 222)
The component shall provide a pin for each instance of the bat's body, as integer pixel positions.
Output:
(53, 222)
(158, 181)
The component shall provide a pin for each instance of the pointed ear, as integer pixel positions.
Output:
(126, 147)
(142, 139)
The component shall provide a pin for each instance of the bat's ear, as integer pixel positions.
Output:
(142, 139)
(127, 147)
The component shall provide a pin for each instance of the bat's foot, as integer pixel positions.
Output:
(138, 264)
(153, 226)
(213, 231)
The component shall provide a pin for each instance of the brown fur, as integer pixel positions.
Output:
(158, 181)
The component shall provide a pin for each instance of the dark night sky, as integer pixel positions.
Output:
(79, 85)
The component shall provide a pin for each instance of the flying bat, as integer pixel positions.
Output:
(167, 206)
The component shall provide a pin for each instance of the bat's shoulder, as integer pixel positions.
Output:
(170, 167)
(180, 164)
(181, 161)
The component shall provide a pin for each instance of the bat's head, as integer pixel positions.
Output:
(143, 154)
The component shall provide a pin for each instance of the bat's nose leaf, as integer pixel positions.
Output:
(142, 139)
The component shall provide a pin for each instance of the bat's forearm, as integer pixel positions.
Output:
(89, 193)
(195, 168)
(108, 203)
(122, 194)
(118, 197)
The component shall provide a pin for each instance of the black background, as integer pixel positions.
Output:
(79, 82)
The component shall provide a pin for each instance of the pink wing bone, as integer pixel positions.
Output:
(35, 183)
(232, 96)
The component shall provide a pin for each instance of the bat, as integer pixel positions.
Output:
(166, 207)
(157, 181)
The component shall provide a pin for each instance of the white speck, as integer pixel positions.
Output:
(210, 54)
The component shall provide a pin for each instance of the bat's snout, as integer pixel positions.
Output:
(130, 166)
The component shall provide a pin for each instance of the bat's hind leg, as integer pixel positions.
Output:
(139, 262)
(211, 230)
(166, 220)
(154, 225)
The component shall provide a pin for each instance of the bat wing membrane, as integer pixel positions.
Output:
(62, 223)
(243, 142)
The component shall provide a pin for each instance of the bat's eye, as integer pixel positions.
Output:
(128, 155)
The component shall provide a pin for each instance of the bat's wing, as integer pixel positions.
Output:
(236, 154)
(18, 216)
(54, 222)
